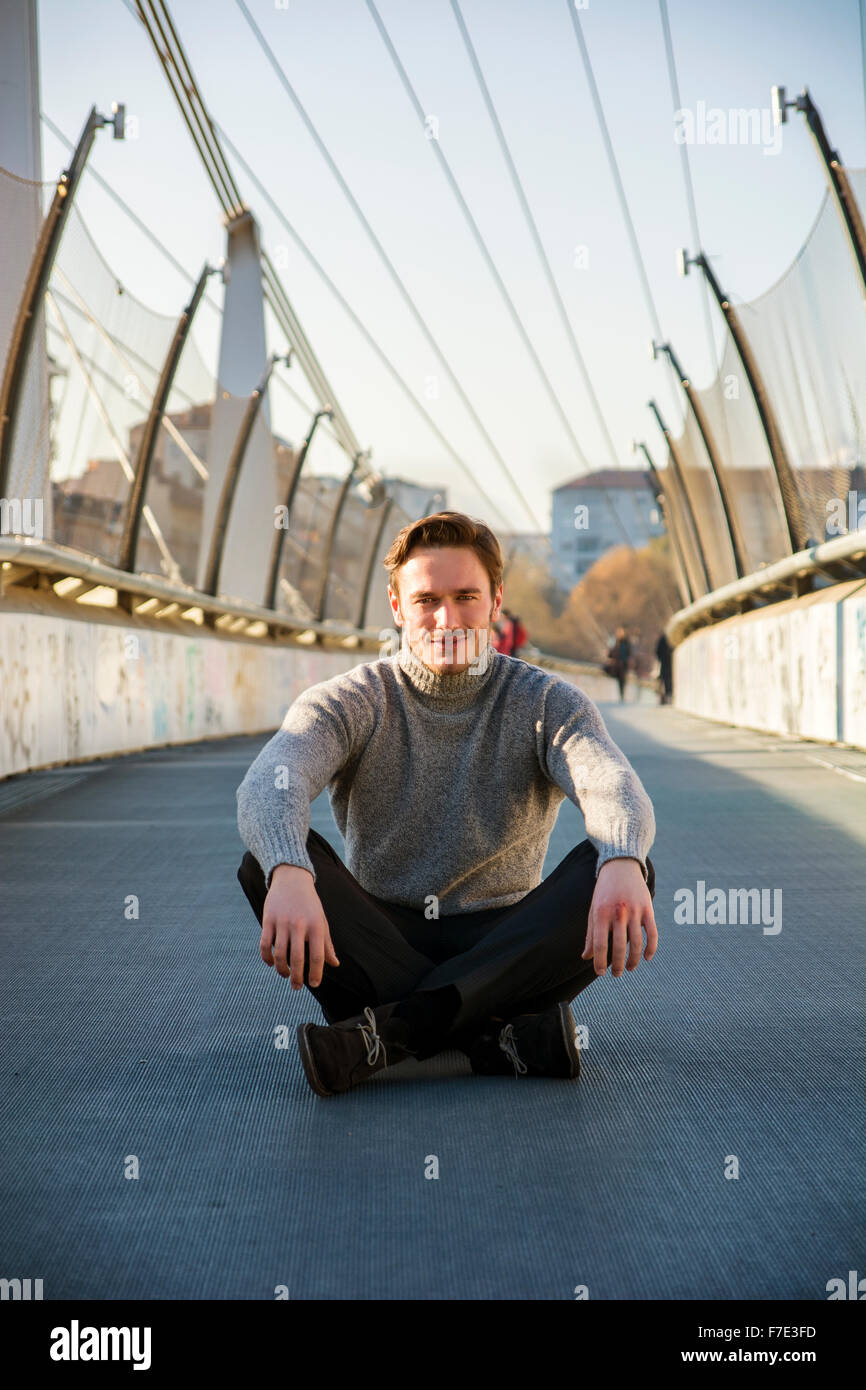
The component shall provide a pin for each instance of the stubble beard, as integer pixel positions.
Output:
(462, 645)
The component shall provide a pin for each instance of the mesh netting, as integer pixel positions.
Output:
(179, 469)
(678, 564)
(23, 203)
(315, 502)
(103, 352)
(807, 336)
(353, 543)
(682, 522)
(98, 352)
(746, 462)
(109, 351)
(301, 573)
(21, 213)
(301, 569)
(703, 492)
(807, 333)
(379, 614)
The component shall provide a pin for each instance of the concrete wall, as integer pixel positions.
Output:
(73, 689)
(101, 683)
(797, 667)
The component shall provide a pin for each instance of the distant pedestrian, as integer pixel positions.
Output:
(664, 652)
(503, 634)
(619, 660)
(519, 635)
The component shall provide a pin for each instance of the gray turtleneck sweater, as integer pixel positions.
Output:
(445, 785)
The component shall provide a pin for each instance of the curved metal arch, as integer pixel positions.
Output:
(230, 481)
(332, 532)
(280, 532)
(670, 523)
(705, 432)
(788, 491)
(686, 500)
(36, 283)
(132, 524)
(837, 177)
(387, 505)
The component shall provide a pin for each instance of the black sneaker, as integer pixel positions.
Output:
(343, 1055)
(542, 1044)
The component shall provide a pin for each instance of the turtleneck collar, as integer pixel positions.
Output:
(446, 689)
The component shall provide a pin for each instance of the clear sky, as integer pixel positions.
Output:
(754, 208)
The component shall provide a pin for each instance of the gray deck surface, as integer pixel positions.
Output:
(155, 1038)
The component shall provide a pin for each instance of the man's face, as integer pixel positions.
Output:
(444, 606)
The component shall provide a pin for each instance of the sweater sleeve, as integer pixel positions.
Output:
(316, 739)
(579, 755)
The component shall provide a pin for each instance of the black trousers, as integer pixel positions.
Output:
(502, 961)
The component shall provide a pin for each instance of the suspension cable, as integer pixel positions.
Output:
(389, 266)
(613, 164)
(118, 351)
(363, 330)
(203, 132)
(122, 457)
(545, 265)
(479, 239)
(191, 280)
(687, 180)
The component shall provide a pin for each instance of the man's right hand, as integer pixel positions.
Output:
(293, 918)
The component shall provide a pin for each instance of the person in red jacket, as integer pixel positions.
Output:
(520, 636)
(510, 634)
(503, 634)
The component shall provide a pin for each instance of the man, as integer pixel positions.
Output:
(446, 765)
(521, 636)
(664, 652)
(619, 659)
(502, 634)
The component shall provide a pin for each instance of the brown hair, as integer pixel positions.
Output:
(444, 529)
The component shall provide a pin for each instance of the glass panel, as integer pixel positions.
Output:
(808, 336)
(23, 204)
(108, 351)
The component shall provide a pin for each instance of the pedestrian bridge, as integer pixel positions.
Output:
(160, 1144)
(188, 540)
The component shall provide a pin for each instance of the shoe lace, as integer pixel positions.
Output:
(509, 1047)
(371, 1037)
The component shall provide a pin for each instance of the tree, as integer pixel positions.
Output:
(634, 589)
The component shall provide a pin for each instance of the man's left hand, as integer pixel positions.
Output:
(621, 906)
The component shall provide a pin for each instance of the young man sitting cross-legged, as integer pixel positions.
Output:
(446, 765)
